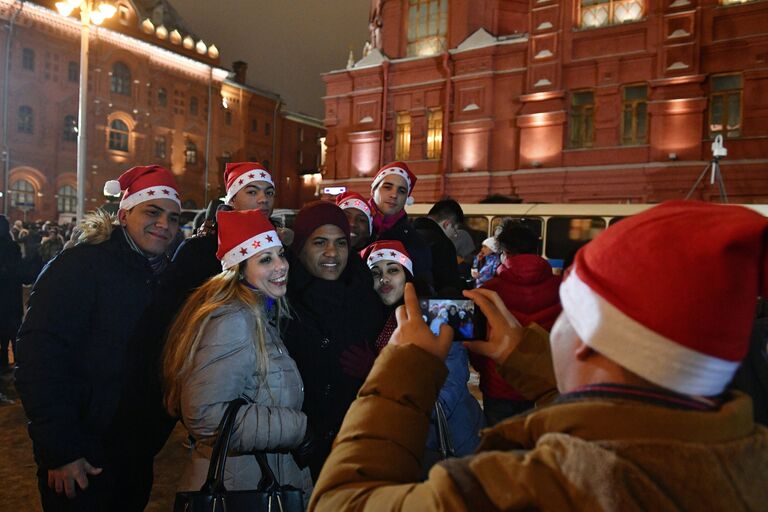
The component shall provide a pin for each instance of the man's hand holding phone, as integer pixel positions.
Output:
(504, 331)
(411, 328)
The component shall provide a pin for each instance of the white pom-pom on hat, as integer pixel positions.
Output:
(410, 200)
(112, 188)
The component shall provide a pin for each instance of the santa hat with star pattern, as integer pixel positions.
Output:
(670, 293)
(238, 175)
(243, 234)
(355, 200)
(143, 183)
(387, 250)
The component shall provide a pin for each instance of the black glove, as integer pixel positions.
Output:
(303, 453)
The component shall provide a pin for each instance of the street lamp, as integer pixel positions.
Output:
(90, 12)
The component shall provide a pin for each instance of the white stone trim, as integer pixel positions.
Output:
(390, 255)
(149, 193)
(250, 247)
(247, 177)
(637, 348)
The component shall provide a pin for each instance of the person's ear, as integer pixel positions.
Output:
(121, 216)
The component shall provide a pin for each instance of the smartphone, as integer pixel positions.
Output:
(463, 315)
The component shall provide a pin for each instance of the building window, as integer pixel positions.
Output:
(300, 157)
(26, 121)
(582, 120)
(427, 26)
(121, 79)
(73, 71)
(254, 125)
(190, 153)
(28, 59)
(267, 128)
(634, 118)
(725, 106)
(300, 134)
(228, 117)
(736, 2)
(70, 128)
(66, 199)
(161, 149)
(435, 134)
(403, 136)
(193, 106)
(22, 194)
(601, 13)
(118, 135)
(162, 97)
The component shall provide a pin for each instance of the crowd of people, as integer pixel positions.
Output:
(350, 335)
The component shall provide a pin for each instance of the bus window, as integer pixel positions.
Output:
(535, 224)
(477, 222)
(614, 220)
(565, 234)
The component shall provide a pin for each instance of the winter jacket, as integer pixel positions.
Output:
(225, 367)
(11, 302)
(594, 454)
(329, 317)
(463, 413)
(486, 268)
(194, 263)
(445, 268)
(530, 290)
(88, 353)
(417, 248)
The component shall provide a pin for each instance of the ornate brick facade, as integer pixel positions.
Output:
(556, 101)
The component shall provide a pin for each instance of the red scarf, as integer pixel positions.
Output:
(381, 222)
(389, 327)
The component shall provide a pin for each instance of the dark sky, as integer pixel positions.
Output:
(286, 43)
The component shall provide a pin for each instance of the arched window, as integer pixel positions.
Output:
(193, 106)
(121, 79)
(162, 97)
(22, 194)
(70, 128)
(118, 135)
(26, 124)
(190, 153)
(66, 199)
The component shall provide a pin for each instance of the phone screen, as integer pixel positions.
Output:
(462, 315)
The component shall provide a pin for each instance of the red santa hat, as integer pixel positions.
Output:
(243, 234)
(398, 169)
(670, 294)
(143, 183)
(238, 175)
(355, 200)
(387, 250)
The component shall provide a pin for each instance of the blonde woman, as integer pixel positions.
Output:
(225, 344)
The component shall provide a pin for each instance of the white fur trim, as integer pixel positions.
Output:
(112, 188)
(637, 348)
(149, 193)
(359, 204)
(248, 248)
(390, 255)
(246, 178)
(398, 171)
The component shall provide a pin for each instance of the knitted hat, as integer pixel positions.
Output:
(243, 234)
(143, 183)
(398, 169)
(492, 243)
(314, 215)
(387, 250)
(238, 175)
(355, 200)
(670, 294)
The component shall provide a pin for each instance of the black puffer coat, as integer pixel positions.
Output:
(329, 317)
(88, 355)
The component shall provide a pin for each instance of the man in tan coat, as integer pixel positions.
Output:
(656, 317)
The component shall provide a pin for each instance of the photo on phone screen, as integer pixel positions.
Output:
(462, 315)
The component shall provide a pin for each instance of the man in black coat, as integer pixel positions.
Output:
(437, 229)
(337, 317)
(88, 350)
(11, 307)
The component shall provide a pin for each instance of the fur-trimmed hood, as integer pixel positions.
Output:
(97, 227)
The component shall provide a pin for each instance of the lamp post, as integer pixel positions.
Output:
(88, 15)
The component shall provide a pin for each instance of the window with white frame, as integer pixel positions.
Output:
(427, 27)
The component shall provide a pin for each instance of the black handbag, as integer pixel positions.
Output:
(269, 496)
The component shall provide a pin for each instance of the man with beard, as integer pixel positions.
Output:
(87, 352)
(337, 317)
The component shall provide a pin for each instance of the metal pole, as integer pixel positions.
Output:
(6, 82)
(208, 138)
(82, 129)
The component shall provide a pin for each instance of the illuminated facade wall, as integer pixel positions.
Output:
(557, 101)
(147, 103)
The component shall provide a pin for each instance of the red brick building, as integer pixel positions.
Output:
(552, 101)
(150, 81)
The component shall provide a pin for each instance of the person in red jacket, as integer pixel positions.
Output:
(529, 289)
